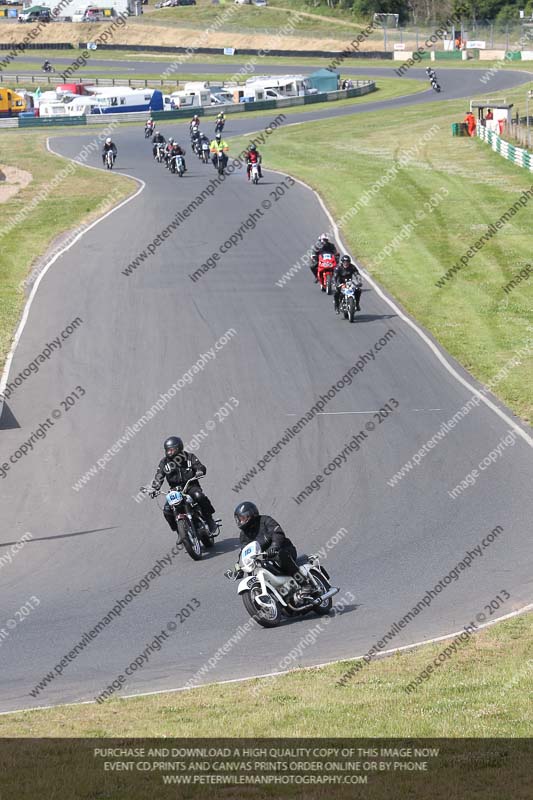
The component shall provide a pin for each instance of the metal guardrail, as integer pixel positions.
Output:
(52, 79)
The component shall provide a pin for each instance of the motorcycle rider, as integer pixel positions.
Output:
(219, 149)
(178, 467)
(195, 122)
(157, 138)
(109, 145)
(253, 156)
(341, 274)
(204, 139)
(47, 66)
(220, 122)
(177, 150)
(168, 151)
(323, 245)
(195, 139)
(268, 534)
(150, 125)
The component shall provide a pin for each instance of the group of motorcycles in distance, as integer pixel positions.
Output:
(432, 75)
(350, 290)
(173, 155)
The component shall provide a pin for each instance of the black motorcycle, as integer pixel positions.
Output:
(220, 161)
(193, 530)
(47, 67)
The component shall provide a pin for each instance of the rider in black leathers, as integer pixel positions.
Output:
(157, 138)
(178, 467)
(342, 273)
(268, 533)
(323, 245)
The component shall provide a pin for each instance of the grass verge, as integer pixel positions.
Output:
(480, 692)
(78, 198)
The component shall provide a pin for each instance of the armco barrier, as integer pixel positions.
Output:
(35, 46)
(39, 122)
(511, 152)
(214, 51)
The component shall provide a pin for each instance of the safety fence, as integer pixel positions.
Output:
(511, 152)
(54, 78)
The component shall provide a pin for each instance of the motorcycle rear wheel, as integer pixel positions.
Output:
(266, 618)
(189, 540)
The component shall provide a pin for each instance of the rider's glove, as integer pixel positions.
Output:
(153, 493)
(272, 551)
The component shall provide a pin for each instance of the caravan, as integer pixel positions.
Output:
(110, 100)
(266, 87)
(120, 99)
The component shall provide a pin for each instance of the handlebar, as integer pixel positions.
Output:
(157, 492)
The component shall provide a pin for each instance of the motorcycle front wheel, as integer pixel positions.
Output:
(187, 536)
(326, 606)
(267, 617)
(351, 309)
(329, 285)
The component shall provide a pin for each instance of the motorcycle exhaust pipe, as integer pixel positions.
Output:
(326, 595)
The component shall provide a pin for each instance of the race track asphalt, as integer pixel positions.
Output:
(140, 334)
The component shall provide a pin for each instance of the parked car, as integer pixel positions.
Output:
(260, 2)
(243, 2)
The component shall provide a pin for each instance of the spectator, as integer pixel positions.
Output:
(490, 115)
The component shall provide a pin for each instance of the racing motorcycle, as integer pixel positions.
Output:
(347, 301)
(219, 127)
(148, 131)
(193, 530)
(268, 595)
(205, 152)
(435, 85)
(177, 164)
(326, 265)
(220, 162)
(109, 159)
(254, 172)
(160, 152)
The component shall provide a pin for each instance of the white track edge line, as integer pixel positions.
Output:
(434, 640)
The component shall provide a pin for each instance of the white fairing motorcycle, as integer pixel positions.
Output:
(267, 594)
(255, 172)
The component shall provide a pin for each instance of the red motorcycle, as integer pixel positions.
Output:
(326, 264)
